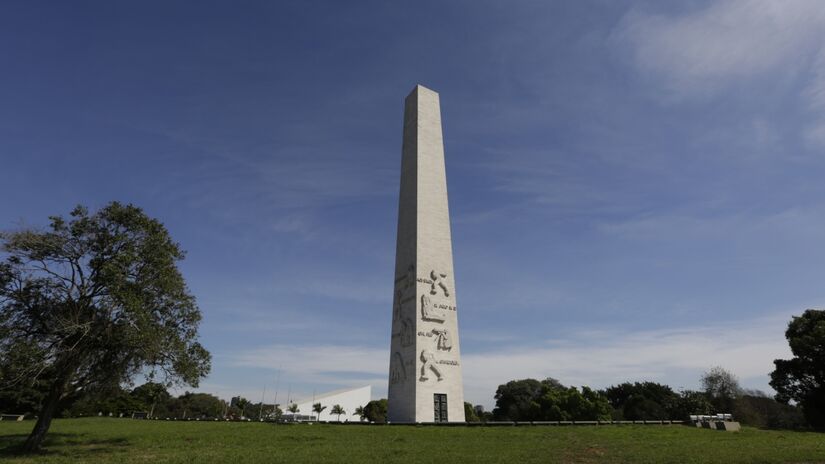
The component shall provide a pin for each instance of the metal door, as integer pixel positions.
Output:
(440, 404)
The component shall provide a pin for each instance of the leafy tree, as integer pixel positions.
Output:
(91, 302)
(337, 410)
(376, 411)
(533, 400)
(359, 411)
(293, 408)
(318, 409)
(19, 392)
(722, 387)
(516, 400)
(150, 395)
(642, 400)
(802, 378)
(691, 402)
(196, 405)
(258, 411)
(470, 413)
(566, 404)
(277, 413)
(757, 409)
(113, 401)
(242, 404)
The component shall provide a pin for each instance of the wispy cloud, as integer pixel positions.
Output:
(797, 221)
(320, 364)
(708, 50)
(602, 358)
(732, 45)
(815, 95)
(598, 358)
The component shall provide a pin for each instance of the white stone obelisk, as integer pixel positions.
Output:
(425, 361)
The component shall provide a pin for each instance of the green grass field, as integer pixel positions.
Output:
(126, 440)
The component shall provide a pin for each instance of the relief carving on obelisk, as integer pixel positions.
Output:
(443, 341)
(429, 312)
(429, 363)
(398, 372)
(438, 280)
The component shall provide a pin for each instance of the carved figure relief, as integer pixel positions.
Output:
(438, 281)
(410, 283)
(428, 358)
(443, 340)
(429, 311)
(407, 332)
(398, 373)
(396, 308)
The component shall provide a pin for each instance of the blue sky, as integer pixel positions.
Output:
(635, 187)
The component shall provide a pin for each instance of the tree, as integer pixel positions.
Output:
(150, 395)
(337, 410)
(802, 378)
(642, 400)
(570, 404)
(722, 387)
(242, 404)
(359, 411)
(376, 411)
(691, 402)
(277, 413)
(293, 408)
(470, 413)
(92, 301)
(531, 400)
(757, 409)
(17, 395)
(197, 405)
(113, 401)
(516, 400)
(317, 408)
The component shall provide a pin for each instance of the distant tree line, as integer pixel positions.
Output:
(150, 398)
(549, 400)
(799, 401)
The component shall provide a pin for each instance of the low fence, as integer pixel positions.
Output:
(15, 417)
(542, 423)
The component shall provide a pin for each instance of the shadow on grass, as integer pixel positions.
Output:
(61, 444)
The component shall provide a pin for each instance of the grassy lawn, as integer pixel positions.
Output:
(126, 440)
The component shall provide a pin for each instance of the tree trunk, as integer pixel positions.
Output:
(44, 420)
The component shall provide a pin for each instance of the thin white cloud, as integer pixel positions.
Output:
(673, 356)
(596, 358)
(815, 95)
(789, 224)
(706, 50)
(323, 364)
(732, 43)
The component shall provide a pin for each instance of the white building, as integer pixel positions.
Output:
(349, 399)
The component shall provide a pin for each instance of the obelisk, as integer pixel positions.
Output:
(425, 361)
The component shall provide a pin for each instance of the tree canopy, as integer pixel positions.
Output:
(318, 409)
(642, 400)
(533, 400)
(376, 411)
(338, 410)
(470, 413)
(92, 301)
(516, 399)
(802, 378)
(722, 388)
